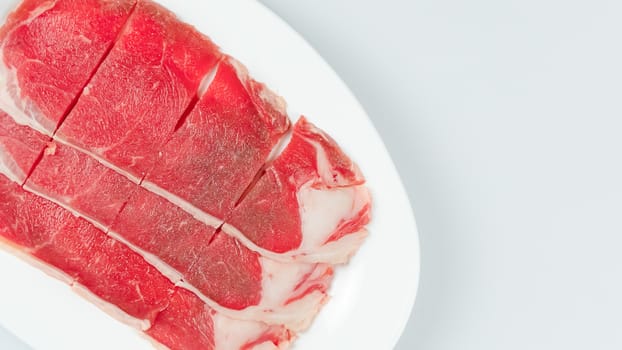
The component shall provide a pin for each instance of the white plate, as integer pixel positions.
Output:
(372, 296)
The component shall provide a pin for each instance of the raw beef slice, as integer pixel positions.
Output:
(120, 281)
(140, 92)
(227, 275)
(48, 52)
(310, 205)
(221, 146)
(20, 148)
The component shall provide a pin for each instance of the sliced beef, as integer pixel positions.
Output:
(48, 52)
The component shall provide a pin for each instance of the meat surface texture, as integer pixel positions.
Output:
(48, 52)
(131, 106)
(310, 205)
(20, 148)
(84, 255)
(119, 280)
(149, 171)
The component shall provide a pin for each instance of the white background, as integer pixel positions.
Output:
(9, 342)
(505, 121)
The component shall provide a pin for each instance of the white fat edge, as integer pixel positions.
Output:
(25, 255)
(287, 257)
(36, 190)
(281, 145)
(324, 168)
(9, 168)
(110, 309)
(43, 8)
(336, 252)
(288, 316)
(282, 282)
(197, 213)
(323, 210)
(22, 111)
(165, 269)
(237, 234)
(230, 334)
(60, 139)
(207, 81)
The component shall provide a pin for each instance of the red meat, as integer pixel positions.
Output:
(140, 92)
(48, 52)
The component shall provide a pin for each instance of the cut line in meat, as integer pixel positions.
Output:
(205, 84)
(48, 52)
(155, 176)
